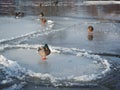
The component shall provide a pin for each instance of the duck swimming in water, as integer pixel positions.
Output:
(90, 33)
(19, 14)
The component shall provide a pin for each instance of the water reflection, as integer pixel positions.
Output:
(90, 37)
(104, 12)
(34, 7)
(44, 66)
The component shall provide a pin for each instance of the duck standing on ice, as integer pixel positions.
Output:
(44, 51)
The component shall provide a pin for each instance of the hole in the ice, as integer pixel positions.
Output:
(58, 65)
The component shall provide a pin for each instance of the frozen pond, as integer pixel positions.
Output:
(77, 60)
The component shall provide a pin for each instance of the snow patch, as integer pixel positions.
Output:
(100, 2)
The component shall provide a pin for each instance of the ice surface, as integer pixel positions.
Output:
(79, 67)
(59, 70)
(9, 27)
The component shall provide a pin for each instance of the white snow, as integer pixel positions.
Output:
(100, 2)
